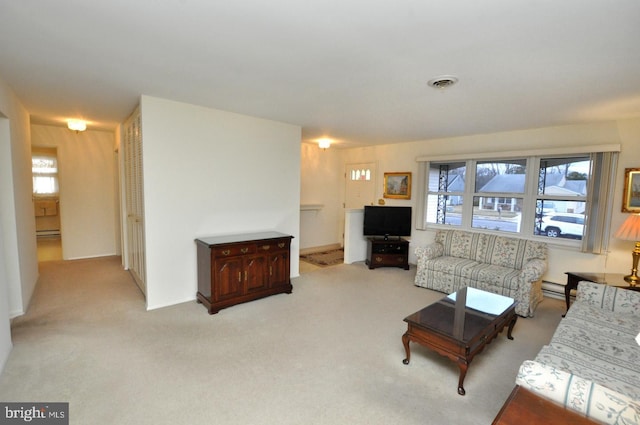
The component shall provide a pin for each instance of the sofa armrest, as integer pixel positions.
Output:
(609, 297)
(533, 270)
(584, 396)
(431, 251)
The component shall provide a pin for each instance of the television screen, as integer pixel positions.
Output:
(387, 221)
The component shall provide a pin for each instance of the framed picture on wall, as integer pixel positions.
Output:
(397, 185)
(631, 195)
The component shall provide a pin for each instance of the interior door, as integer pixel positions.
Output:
(135, 244)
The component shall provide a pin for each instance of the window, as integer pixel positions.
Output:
(561, 197)
(498, 195)
(363, 174)
(45, 175)
(446, 193)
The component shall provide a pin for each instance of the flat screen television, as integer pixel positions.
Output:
(387, 221)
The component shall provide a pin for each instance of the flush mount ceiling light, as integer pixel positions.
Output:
(442, 82)
(77, 125)
(324, 143)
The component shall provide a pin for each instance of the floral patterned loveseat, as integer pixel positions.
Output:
(591, 364)
(503, 265)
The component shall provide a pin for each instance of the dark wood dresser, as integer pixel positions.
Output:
(234, 269)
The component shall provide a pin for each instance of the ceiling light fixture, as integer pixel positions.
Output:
(77, 125)
(443, 81)
(324, 144)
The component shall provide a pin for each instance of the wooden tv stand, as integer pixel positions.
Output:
(391, 252)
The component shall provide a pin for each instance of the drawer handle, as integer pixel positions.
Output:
(281, 245)
(226, 252)
(244, 250)
(266, 247)
(379, 259)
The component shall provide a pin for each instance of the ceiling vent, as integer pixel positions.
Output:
(443, 82)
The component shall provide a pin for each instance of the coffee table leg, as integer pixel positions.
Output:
(405, 342)
(463, 365)
(511, 325)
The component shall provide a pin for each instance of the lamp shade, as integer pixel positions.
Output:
(630, 229)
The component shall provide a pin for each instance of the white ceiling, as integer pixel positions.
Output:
(354, 70)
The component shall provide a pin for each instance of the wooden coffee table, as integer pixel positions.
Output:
(460, 325)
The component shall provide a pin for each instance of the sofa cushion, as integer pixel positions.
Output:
(504, 252)
(460, 244)
(496, 250)
(599, 345)
(576, 393)
(512, 252)
(608, 297)
(472, 271)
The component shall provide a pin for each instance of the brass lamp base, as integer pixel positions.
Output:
(633, 278)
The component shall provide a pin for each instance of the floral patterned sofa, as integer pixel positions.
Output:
(591, 364)
(503, 265)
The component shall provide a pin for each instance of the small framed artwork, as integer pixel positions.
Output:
(631, 195)
(397, 185)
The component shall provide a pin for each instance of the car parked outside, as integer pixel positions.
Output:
(563, 225)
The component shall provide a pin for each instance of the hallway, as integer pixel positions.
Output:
(49, 248)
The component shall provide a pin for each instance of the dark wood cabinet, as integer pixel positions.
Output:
(234, 269)
(387, 253)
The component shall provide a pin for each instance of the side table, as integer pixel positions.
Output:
(612, 279)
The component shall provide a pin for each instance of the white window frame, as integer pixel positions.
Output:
(597, 225)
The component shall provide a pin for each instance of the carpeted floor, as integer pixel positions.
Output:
(325, 258)
(330, 353)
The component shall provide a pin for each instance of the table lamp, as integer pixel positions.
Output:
(630, 231)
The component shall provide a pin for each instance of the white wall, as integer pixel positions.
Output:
(619, 258)
(209, 172)
(320, 178)
(87, 175)
(402, 157)
(5, 328)
(19, 269)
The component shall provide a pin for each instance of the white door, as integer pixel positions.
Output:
(360, 185)
(135, 245)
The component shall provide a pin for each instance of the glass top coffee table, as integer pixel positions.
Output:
(460, 325)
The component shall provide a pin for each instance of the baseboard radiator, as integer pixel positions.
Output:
(553, 290)
(47, 233)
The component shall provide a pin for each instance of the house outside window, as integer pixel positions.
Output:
(562, 196)
(546, 196)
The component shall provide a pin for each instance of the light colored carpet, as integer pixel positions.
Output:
(329, 353)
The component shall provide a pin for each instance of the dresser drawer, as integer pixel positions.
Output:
(272, 246)
(233, 250)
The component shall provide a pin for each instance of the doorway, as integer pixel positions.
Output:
(46, 203)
